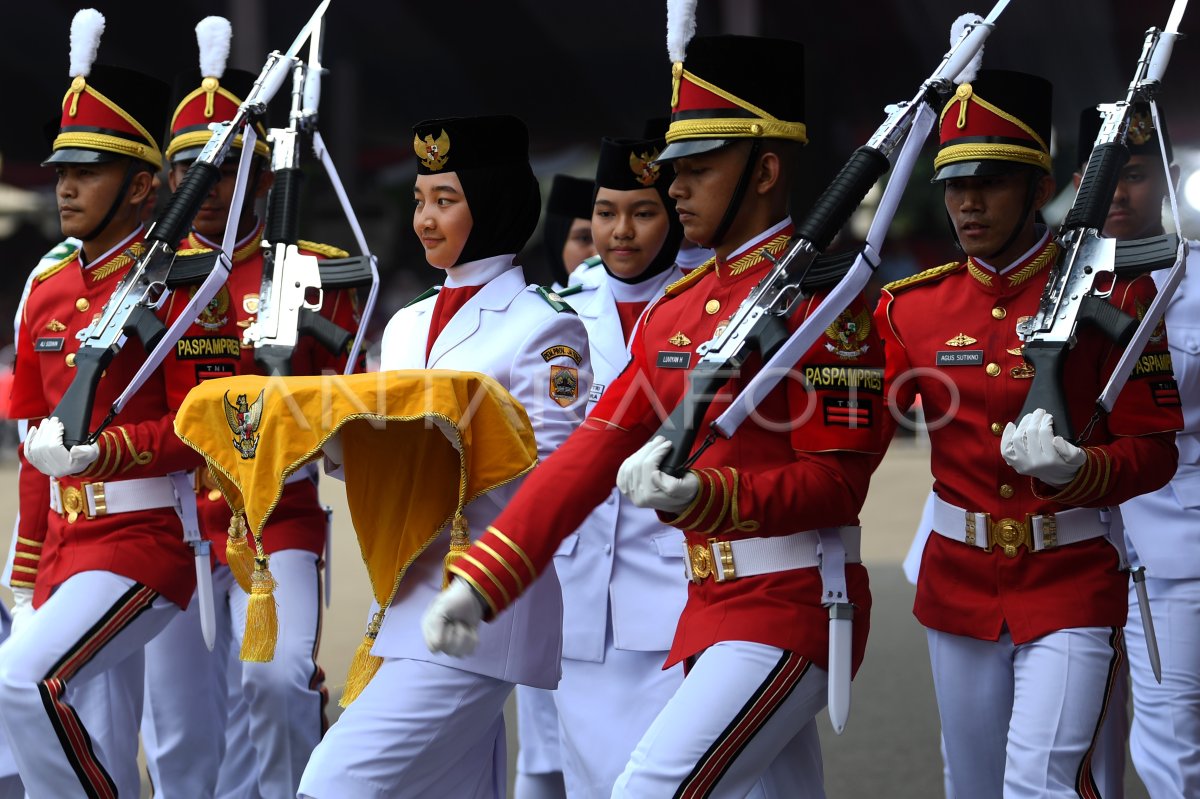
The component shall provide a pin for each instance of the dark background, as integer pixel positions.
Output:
(575, 71)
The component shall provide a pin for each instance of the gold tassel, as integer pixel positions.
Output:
(237, 552)
(460, 542)
(262, 619)
(364, 665)
(676, 77)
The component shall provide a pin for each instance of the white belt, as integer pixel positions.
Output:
(106, 498)
(1037, 533)
(747, 557)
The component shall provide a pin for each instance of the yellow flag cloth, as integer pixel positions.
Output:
(418, 445)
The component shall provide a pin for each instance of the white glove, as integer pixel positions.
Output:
(451, 624)
(640, 479)
(1032, 449)
(22, 608)
(45, 450)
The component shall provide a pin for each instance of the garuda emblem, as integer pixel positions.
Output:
(244, 420)
(216, 313)
(1160, 330)
(433, 152)
(644, 170)
(847, 333)
(1141, 128)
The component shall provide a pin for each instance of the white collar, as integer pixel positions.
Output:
(1041, 242)
(478, 273)
(112, 250)
(769, 233)
(641, 292)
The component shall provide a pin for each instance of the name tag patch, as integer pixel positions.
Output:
(594, 393)
(48, 344)
(959, 358)
(674, 360)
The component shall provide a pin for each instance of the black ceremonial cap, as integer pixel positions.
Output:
(736, 87)
(108, 114)
(457, 143)
(994, 123)
(630, 164)
(197, 101)
(570, 197)
(1142, 138)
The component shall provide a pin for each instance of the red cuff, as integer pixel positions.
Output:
(1091, 482)
(715, 505)
(497, 568)
(26, 558)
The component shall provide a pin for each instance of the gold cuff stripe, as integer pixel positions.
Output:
(691, 505)
(499, 585)
(736, 128)
(722, 508)
(29, 542)
(507, 567)
(991, 152)
(513, 546)
(1068, 492)
(458, 572)
(21, 584)
(707, 491)
(25, 569)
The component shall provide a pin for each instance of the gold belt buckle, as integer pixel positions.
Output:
(701, 560)
(72, 502)
(1009, 534)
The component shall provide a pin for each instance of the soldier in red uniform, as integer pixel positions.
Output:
(100, 543)
(259, 741)
(753, 633)
(1020, 587)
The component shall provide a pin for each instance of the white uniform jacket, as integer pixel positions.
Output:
(621, 561)
(503, 332)
(1164, 525)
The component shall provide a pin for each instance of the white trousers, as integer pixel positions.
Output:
(96, 623)
(1023, 721)
(1165, 737)
(740, 724)
(183, 719)
(418, 730)
(539, 762)
(596, 741)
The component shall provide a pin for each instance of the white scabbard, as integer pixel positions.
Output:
(204, 594)
(328, 555)
(1139, 587)
(841, 635)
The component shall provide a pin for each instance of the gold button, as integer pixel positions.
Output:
(756, 129)
(712, 306)
(82, 304)
(71, 360)
(997, 428)
(999, 313)
(993, 369)
(1006, 491)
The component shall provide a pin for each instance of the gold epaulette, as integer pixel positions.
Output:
(922, 277)
(54, 269)
(193, 251)
(328, 250)
(685, 282)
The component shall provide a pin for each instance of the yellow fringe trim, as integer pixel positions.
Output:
(364, 665)
(460, 542)
(237, 552)
(262, 618)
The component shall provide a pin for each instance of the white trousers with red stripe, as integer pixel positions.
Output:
(741, 724)
(96, 623)
(1023, 720)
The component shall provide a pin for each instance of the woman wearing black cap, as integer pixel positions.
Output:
(429, 725)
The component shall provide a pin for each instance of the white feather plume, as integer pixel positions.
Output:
(956, 31)
(681, 27)
(213, 34)
(86, 29)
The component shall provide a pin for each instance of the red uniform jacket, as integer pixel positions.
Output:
(212, 347)
(802, 462)
(146, 546)
(963, 313)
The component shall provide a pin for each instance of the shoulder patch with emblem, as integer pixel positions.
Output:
(554, 300)
(328, 250)
(923, 277)
(562, 351)
(424, 295)
(53, 269)
(688, 280)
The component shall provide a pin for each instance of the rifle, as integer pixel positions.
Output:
(760, 322)
(130, 311)
(293, 284)
(1082, 279)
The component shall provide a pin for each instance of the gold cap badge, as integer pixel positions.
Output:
(644, 169)
(433, 152)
